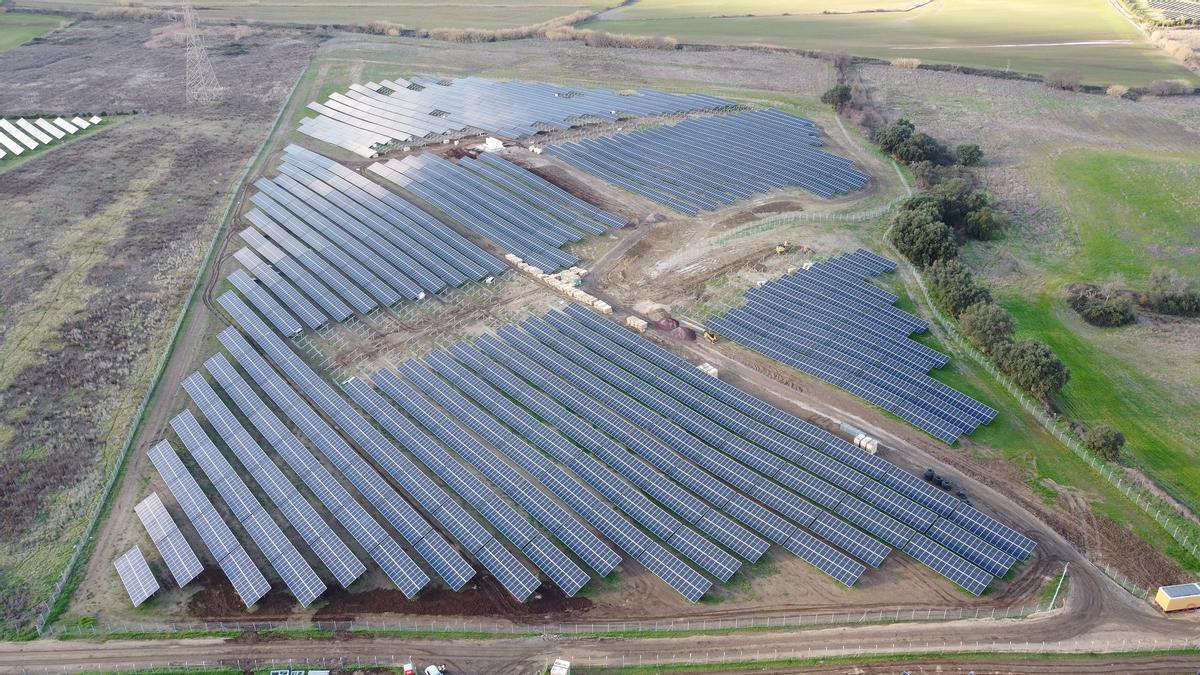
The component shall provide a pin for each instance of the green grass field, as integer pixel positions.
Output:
(17, 29)
(1125, 214)
(1011, 34)
(430, 14)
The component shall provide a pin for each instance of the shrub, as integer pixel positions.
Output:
(922, 238)
(984, 224)
(1172, 294)
(889, 137)
(907, 63)
(953, 286)
(921, 147)
(1067, 80)
(987, 325)
(837, 96)
(1105, 307)
(1169, 88)
(384, 28)
(1105, 441)
(968, 154)
(956, 198)
(1117, 90)
(1033, 366)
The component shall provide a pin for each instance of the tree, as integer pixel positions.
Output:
(1068, 80)
(984, 224)
(1033, 366)
(987, 325)
(921, 147)
(954, 287)
(1172, 294)
(968, 154)
(1104, 306)
(956, 198)
(922, 238)
(889, 137)
(1105, 441)
(837, 96)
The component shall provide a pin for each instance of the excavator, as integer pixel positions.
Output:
(711, 337)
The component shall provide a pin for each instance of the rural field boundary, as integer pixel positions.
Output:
(1182, 530)
(118, 470)
(483, 628)
(741, 658)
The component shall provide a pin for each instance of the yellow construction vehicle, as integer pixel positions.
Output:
(783, 248)
(711, 337)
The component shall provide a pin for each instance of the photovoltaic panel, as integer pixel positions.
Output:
(707, 555)
(992, 531)
(850, 539)
(365, 479)
(972, 548)
(920, 491)
(949, 565)
(445, 510)
(296, 573)
(180, 558)
(468, 486)
(248, 581)
(320, 537)
(135, 574)
(687, 506)
(270, 308)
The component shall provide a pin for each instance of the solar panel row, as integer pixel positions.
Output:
(503, 203)
(370, 535)
(248, 581)
(506, 519)
(369, 117)
(447, 562)
(347, 243)
(266, 534)
(440, 505)
(168, 539)
(316, 533)
(703, 163)
(906, 494)
(135, 574)
(17, 136)
(574, 369)
(709, 556)
(800, 320)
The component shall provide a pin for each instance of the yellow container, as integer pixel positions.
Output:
(1178, 597)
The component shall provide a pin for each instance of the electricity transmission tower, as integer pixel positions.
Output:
(202, 86)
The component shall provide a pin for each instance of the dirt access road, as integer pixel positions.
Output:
(1097, 617)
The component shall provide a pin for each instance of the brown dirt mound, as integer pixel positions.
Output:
(485, 598)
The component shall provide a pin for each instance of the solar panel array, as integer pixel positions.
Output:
(510, 206)
(168, 539)
(19, 135)
(248, 581)
(135, 574)
(829, 322)
(556, 432)
(266, 534)
(874, 495)
(370, 118)
(1177, 9)
(304, 519)
(703, 163)
(324, 242)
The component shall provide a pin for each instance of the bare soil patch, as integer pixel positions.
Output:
(99, 246)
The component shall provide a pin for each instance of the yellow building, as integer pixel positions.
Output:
(1178, 597)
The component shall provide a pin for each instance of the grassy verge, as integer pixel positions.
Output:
(10, 161)
(183, 634)
(17, 28)
(862, 660)
(307, 633)
(1025, 36)
(439, 633)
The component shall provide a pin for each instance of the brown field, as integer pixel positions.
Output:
(120, 298)
(99, 245)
